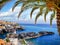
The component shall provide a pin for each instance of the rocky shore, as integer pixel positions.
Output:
(29, 35)
(9, 27)
(18, 39)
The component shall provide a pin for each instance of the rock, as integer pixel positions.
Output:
(22, 35)
(50, 33)
(19, 28)
(45, 33)
(42, 33)
(31, 34)
(10, 35)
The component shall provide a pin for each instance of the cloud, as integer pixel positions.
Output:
(12, 16)
(10, 12)
(25, 16)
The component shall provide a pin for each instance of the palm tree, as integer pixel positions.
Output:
(51, 5)
(56, 6)
(3, 2)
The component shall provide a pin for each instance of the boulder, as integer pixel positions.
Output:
(45, 33)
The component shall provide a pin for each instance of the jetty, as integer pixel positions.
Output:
(29, 35)
(17, 39)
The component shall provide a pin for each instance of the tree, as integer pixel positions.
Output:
(56, 6)
(51, 5)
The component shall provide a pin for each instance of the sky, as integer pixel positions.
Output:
(7, 14)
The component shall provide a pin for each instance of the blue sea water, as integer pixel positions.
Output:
(43, 40)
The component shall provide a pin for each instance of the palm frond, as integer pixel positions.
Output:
(25, 6)
(20, 13)
(46, 14)
(1, 6)
(16, 3)
(52, 17)
(22, 9)
(30, 0)
(39, 14)
(41, 10)
(34, 8)
(44, 0)
(4, 1)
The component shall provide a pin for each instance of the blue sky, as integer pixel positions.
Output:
(7, 14)
(8, 6)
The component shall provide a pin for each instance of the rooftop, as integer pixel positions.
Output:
(2, 27)
(5, 22)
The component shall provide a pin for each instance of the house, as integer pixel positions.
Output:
(2, 29)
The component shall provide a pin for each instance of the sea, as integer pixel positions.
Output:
(43, 40)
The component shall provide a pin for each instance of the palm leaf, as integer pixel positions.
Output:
(41, 9)
(52, 17)
(30, 0)
(1, 6)
(22, 9)
(46, 14)
(16, 3)
(34, 8)
(20, 13)
(39, 14)
(24, 4)
(4, 1)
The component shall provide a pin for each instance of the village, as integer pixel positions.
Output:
(9, 27)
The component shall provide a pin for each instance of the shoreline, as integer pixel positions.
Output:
(36, 30)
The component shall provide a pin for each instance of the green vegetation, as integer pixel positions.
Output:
(23, 41)
(35, 5)
(7, 40)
